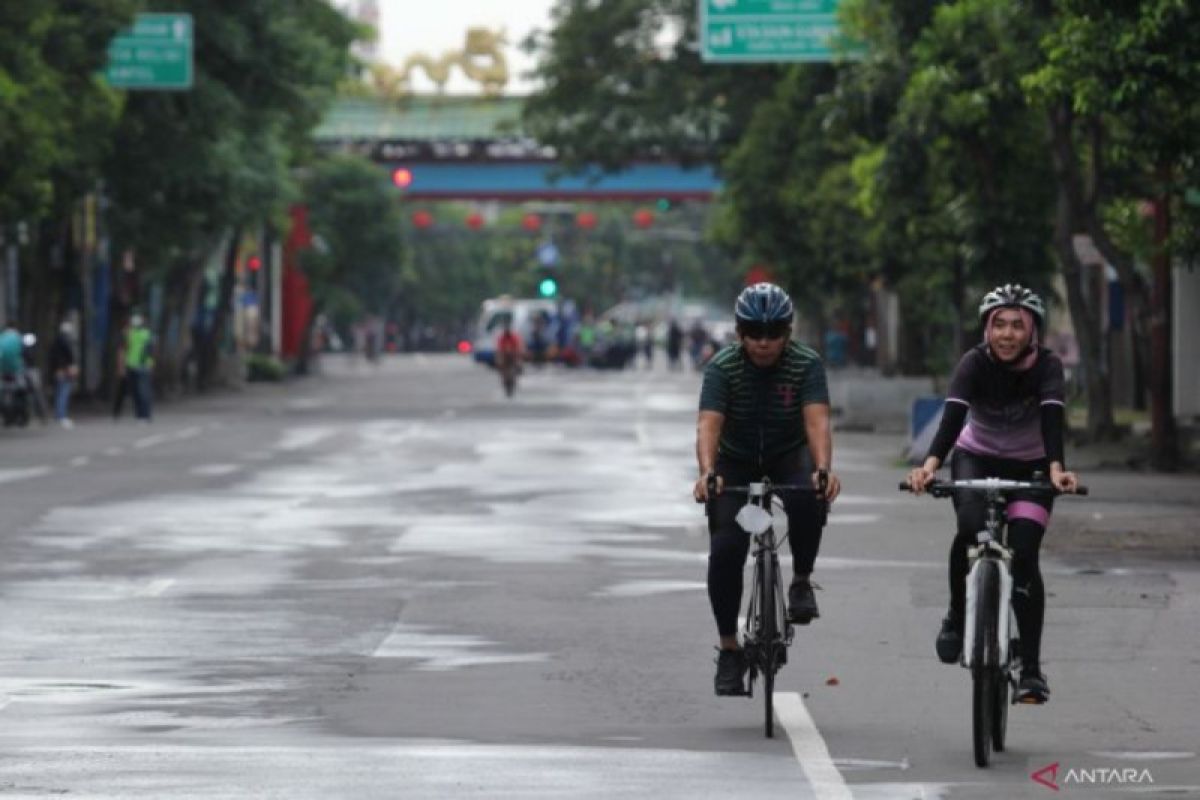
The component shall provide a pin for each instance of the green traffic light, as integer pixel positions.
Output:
(663, 204)
(548, 287)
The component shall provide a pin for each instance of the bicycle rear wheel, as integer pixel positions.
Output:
(985, 659)
(769, 633)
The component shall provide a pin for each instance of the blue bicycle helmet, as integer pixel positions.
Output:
(763, 303)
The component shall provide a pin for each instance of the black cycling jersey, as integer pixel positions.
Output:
(763, 408)
(1014, 414)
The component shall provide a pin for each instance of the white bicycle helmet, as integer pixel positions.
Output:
(1012, 295)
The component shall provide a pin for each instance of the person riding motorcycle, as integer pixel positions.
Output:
(510, 351)
(1013, 388)
(14, 390)
(764, 411)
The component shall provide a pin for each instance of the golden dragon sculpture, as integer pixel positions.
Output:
(481, 59)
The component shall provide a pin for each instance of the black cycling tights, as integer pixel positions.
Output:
(1024, 538)
(729, 545)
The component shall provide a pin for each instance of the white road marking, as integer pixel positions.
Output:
(150, 441)
(300, 438)
(156, 587)
(215, 470)
(643, 436)
(80, 461)
(23, 473)
(114, 451)
(810, 749)
(852, 519)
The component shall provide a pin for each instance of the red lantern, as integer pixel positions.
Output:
(585, 220)
(643, 218)
(402, 178)
(474, 221)
(759, 274)
(422, 219)
(531, 223)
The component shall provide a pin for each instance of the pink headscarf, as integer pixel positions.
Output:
(1030, 358)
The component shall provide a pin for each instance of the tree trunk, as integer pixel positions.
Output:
(1164, 449)
(1068, 222)
(210, 352)
(304, 358)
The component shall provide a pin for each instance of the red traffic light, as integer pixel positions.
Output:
(474, 221)
(402, 177)
(586, 220)
(254, 263)
(422, 219)
(531, 222)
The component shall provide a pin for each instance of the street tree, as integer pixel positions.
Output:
(623, 81)
(191, 170)
(1120, 89)
(355, 219)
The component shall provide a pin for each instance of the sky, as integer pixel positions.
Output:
(432, 27)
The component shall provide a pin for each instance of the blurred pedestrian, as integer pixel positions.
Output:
(135, 360)
(674, 344)
(64, 367)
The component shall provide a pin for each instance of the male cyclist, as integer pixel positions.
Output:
(764, 411)
(1013, 389)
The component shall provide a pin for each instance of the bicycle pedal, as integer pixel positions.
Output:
(1030, 700)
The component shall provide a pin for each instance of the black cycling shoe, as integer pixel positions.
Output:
(1032, 688)
(950, 640)
(731, 670)
(802, 602)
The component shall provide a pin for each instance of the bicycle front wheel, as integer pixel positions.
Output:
(1000, 712)
(983, 700)
(769, 634)
(985, 659)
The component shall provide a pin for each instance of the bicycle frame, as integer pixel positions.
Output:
(764, 546)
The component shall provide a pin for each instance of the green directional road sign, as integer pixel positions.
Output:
(155, 54)
(773, 30)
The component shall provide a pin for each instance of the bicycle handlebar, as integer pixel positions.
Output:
(946, 488)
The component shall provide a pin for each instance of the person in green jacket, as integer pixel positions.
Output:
(135, 361)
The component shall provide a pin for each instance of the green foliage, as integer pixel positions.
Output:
(261, 367)
(1131, 73)
(190, 165)
(623, 80)
(55, 114)
(355, 220)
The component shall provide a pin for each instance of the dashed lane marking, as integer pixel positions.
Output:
(23, 473)
(156, 587)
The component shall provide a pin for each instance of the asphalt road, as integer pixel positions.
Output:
(392, 582)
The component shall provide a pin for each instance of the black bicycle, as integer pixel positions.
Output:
(991, 649)
(767, 632)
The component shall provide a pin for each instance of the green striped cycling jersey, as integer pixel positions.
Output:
(763, 408)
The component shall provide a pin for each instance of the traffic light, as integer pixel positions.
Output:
(548, 287)
(254, 263)
(663, 204)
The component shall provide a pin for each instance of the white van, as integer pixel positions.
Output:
(492, 315)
